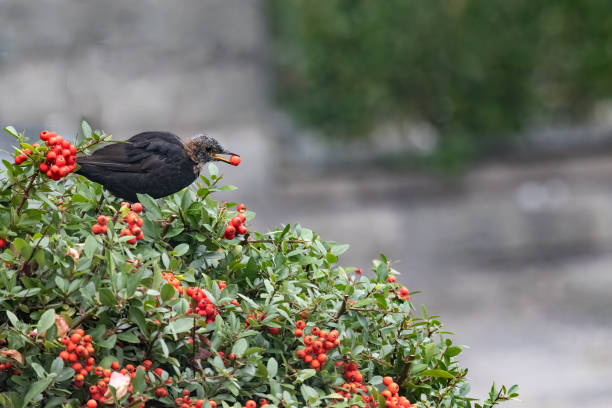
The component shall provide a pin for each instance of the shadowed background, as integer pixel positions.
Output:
(467, 140)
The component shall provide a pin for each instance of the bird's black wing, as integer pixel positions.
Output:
(139, 154)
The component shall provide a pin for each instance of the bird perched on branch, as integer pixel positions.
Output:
(154, 163)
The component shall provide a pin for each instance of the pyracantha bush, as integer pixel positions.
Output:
(154, 304)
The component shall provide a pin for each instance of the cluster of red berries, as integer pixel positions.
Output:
(134, 222)
(258, 317)
(236, 224)
(252, 404)
(7, 366)
(20, 158)
(316, 344)
(61, 157)
(392, 398)
(186, 401)
(404, 293)
(79, 352)
(201, 304)
(100, 227)
(348, 389)
(171, 279)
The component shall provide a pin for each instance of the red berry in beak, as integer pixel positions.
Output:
(235, 160)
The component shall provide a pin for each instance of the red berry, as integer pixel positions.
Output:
(241, 208)
(158, 371)
(27, 152)
(115, 365)
(102, 219)
(393, 387)
(44, 167)
(60, 161)
(44, 135)
(137, 207)
(2, 242)
(20, 159)
(358, 271)
(404, 291)
(75, 338)
(64, 355)
(236, 222)
(242, 230)
(300, 324)
(96, 229)
(250, 403)
(391, 278)
(298, 333)
(235, 160)
(161, 392)
(92, 403)
(230, 230)
(51, 156)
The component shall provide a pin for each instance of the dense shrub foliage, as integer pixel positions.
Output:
(149, 304)
(477, 70)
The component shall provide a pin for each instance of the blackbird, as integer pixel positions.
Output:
(153, 163)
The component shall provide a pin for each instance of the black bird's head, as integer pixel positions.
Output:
(203, 149)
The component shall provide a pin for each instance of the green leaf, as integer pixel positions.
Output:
(272, 367)
(167, 292)
(86, 129)
(240, 347)
(180, 250)
(136, 315)
(179, 325)
(437, 373)
(339, 249)
(91, 246)
(46, 320)
(306, 374)
(139, 381)
(107, 297)
(453, 351)
(213, 170)
(37, 388)
(11, 316)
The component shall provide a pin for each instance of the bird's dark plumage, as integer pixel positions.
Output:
(154, 163)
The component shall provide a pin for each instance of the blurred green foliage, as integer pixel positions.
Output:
(478, 70)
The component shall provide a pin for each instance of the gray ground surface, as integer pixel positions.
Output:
(515, 257)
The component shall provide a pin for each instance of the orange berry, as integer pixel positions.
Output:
(387, 380)
(115, 365)
(393, 387)
(250, 404)
(75, 338)
(315, 331)
(308, 340)
(298, 333)
(300, 324)
(92, 403)
(64, 355)
(322, 358)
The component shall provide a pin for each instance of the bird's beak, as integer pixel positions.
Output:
(224, 159)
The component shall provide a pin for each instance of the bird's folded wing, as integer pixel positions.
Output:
(135, 156)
